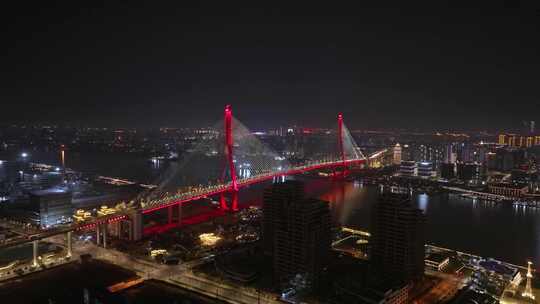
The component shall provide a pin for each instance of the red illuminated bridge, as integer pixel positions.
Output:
(246, 160)
(344, 155)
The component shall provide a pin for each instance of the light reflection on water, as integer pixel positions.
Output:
(423, 200)
(511, 233)
(506, 232)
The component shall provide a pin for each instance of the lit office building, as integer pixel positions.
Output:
(397, 154)
(406, 153)
(53, 206)
(408, 168)
(430, 153)
(465, 152)
(425, 170)
(450, 156)
(521, 141)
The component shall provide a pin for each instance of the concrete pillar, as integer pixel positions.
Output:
(104, 236)
(137, 224)
(169, 214)
(130, 230)
(117, 227)
(35, 253)
(98, 234)
(68, 244)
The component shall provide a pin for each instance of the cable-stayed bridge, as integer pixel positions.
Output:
(236, 158)
(246, 161)
(233, 158)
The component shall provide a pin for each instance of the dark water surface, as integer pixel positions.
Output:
(508, 233)
(500, 231)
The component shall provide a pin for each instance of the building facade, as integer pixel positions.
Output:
(425, 170)
(448, 171)
(274, 200)
(522, 141)
(301, 234)
(397, 154)
(53, 205)
(507, 189)
(408, 168)
(398, 238)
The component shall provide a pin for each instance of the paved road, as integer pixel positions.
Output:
(221, 290)
(180, 275)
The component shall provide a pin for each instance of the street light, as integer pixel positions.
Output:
(24, 155)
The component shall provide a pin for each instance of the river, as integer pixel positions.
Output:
(486, 229)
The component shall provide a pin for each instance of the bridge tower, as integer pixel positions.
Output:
(341, 146)
(229, 143)
(528, 289)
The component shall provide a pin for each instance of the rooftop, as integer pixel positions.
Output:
(437, 257)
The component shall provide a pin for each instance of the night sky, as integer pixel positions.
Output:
(429, 67)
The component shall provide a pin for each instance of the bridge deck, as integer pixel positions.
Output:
(187, 197)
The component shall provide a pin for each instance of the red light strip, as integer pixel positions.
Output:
(254, 181)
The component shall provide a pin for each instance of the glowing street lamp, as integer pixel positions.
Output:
(24, 155)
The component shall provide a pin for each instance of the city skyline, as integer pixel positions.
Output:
(201, 152)
(422, 67)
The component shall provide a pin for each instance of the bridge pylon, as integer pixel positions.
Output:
(229, 145)
(341, 145)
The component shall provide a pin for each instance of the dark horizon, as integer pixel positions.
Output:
(431, 67)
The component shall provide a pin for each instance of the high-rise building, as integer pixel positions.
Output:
(425, 170)
(274, 198)
(491, 160)
(408, 168)
(465, 152)
(398, 238)
(448, 171)
(469, 172)
(449, 154)
(431, 153)
(406, 152)
(504, 160)
(301, 234)
(397, 154)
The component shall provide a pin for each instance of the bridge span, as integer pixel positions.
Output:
(344, 156)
